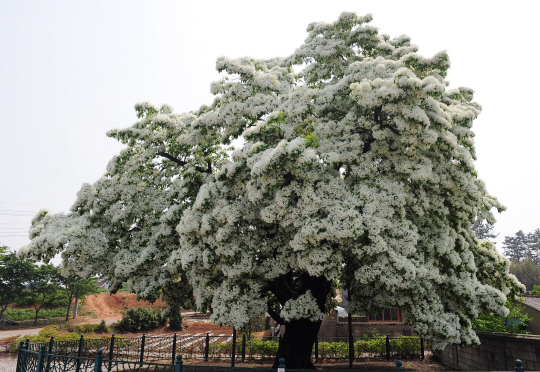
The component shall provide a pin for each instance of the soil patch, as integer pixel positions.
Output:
(429, 364)
(110, 306)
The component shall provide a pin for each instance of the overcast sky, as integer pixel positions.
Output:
(71, 70)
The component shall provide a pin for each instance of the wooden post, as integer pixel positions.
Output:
(233, 356)
(174, 348)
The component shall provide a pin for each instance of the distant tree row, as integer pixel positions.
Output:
(522, 249)
(24, 281)
(523, 246)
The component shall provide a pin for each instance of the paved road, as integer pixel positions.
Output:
(35, 331)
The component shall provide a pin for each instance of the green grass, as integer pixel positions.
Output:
(30, 314)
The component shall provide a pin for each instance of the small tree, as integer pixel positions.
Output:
(14, 272)
(75, 287)
(41, 285)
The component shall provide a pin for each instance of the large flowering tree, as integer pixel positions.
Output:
(356, 169)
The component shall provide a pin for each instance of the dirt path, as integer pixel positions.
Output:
(99, 306)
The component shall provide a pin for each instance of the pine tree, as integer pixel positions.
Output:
(533, 242)
(516, 247)
(483, 231)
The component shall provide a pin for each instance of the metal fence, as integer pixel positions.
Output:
(220, 346)
(33, 361)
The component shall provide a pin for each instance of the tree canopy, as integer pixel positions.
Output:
(523, 246)
(357, 166)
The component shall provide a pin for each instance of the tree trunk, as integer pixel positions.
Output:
(69, 307)
(75, 307)
(297, 344)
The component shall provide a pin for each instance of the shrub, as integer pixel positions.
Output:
(5, 342)
(141, 319)
(29, 314)
(406, 346)
(175, 317)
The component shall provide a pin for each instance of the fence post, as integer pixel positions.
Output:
(519, 366)
(97, 362)
(178, 366)
(317, 349)
(233, 347)
(79, 353)
(207, 347)
(49, 357)
(350, 335)
(399, 363)
(27, 344)
(111, 353)
(422, 347)
(174, 348)
(281, 367)
(387, 348)
(19, 357)
(244, 347)
(142, 347)
(42, 353)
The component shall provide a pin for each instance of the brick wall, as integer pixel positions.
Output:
(497, 352)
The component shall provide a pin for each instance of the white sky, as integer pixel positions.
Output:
(71, 70)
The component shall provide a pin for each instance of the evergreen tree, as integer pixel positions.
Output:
(483, 231)
(533, 242)
(516, 247)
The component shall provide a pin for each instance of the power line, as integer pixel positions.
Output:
(40, 204)
(18, 214)
(16, 211)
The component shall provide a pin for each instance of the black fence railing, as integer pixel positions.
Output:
(33, 361)
(163, 349)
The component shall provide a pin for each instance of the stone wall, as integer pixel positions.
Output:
(497, 352)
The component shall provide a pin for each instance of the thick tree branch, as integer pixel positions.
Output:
(183, 163)
(378, 119)
(275, 315)
(172, 158)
